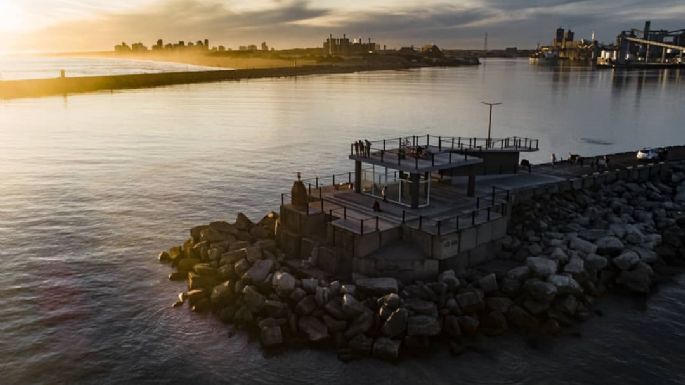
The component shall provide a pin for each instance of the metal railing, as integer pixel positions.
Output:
(451, 143)
(461, 221)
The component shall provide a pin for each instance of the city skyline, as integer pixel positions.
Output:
(64, 25)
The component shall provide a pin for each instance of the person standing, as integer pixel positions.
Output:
(554, 159)
(368, 148)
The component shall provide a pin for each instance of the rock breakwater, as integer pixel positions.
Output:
(562, 252)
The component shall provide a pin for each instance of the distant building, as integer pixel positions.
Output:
(432, 51)
(264, 46)
(346, 47)
(251, 47)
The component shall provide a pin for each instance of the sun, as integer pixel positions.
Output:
(11, 17)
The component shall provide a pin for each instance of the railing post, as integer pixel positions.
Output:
(333, 179)
(382, 154)
(457, 221)
(317, 182)
(361, 229)
(453, 143)
(489, 213)
(383, 144)
(377, 223)
(420, 222)
(458, 141)
(439, 227)
(351, 149)
(473, 217)
(404, 217)
(282, 199)
(416, 161)
(309, 187)
(330, 215)
(439, 143)
(345, 212)
(349, 177)
(493, 195)
(450, 156)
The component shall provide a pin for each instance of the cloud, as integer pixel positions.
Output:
(289, 23)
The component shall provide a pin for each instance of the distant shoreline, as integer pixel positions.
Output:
(14, 89)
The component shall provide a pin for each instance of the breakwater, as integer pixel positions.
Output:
(563, 250)
(12, 89)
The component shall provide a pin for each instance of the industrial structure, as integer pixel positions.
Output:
(565, 47)
(646, 48)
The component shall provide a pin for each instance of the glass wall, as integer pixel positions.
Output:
(394, 185)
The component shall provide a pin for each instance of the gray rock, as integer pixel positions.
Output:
(488, 283)
(609, 246)
(348, 289)
(582, 245)
(310, 284)
(500, 304)
(633, 235)
(468, 325)
(469, 301)
(520, 318)
(254, 300)
(253, 254)
(283, 283)
(449, 278)
(258, 272)
(565, 284)
(306, 305)
(321, 295)
(638, 280)
(392, 301)
(333, 325)
(312, 328)
(361, 324)
(422, 325)
(520, 273)
(540, 290)
(231, 257)
(534, 249)
(510, 286)
(559, 255)
(575, 266)
(241, 267)
(595, 263)
(535, 307)
(377, 286)
(626, 260)
(419, 306)
(297, 294)
(396, 324)
(361, 344)
(271, 336)
(274, 308)
(351, 307)
(646, 255)
(386, 349)
(334, 308)
(541, 267)
(452, 326)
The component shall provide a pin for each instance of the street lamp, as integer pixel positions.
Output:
(487, 143)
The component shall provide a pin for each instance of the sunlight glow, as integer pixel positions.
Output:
(11, 17)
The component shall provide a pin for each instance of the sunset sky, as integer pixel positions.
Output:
(69, 25)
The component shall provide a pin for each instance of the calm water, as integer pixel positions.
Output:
(14, 67)
(94, 186)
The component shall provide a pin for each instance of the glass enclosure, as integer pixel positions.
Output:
(394, 185)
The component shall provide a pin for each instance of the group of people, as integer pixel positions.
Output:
(362, 148)
(598, 163)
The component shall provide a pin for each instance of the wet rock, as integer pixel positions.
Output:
(177, 276)
(351, 307)
(271, 336)
(419, 306)
(488, 283)
(519, 274)
(313, 329)
(164, 257)
(202, 305)
(520, 318)
(253, 254)
(377, 286)
(274, 308)
(633, 235)
(451, 327)
(595, 262)
(243, 223)
(541, 267)
(559, 255)
(626, 260)
(254, 300)
(348, 289)
(392, 301)
(310, 284)
(205, 269)
(386, 349)
(258, 272)
(575, 266)
(231, 257)
(321, 296)
(637, 280)
(361, 344)
(297, 294)
(283, 283)
(468, 325)
(396, 324)
(222, 294)
(422, 325)
(186, 265)
(306, 305)
(361, 324)
(609, 245)
(241, 267)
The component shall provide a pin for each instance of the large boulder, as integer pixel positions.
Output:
(271, 336)
(488, 283)
(540, 290)
(377, 286)
(449, 278)
(626, 260)
(186, 265)
(254, 300)
(231, 257)
(283, 283)
(396, 324)
(243, 223)
(468, 324)
(565, 284)
(306, 305)
(334, 325)
(361, 324)
(582, 245)
(313, 329)
(541, 267)
(386, 349)
(574, 266)
(422, 325)
(469, 301)
(222, 294)
(520, 273)
(595, 263)
(451, 326)
(419, 306)
(609, 246)
(351, 307)
(520, 318)
(259, 271)
(500, 304)
(637, 280)
(361, 344)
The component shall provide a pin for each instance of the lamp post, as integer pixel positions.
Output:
(487, 143)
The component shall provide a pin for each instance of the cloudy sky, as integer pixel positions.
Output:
(59, 25)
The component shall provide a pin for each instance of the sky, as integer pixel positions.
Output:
(81, 25)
